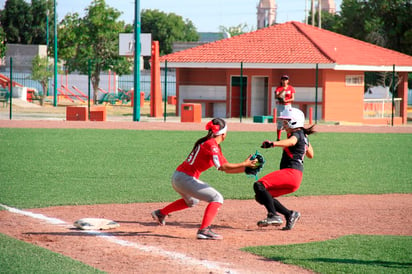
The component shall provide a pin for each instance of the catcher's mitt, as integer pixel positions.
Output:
(281, 96)
(254, 171)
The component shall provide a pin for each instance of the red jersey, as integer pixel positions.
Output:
(288, 93)
(203, 157)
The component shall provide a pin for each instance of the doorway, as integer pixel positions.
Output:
(260, 95)
(238, 96)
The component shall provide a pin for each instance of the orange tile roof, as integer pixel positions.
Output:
(290, 43)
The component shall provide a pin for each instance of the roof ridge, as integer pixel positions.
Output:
(365, 43)
(370, 44)
(297, 25)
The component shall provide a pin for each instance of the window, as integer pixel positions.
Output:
(354, 80)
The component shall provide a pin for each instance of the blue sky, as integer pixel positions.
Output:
(206, 15)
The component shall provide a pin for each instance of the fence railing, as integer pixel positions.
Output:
(108, 82)
(381, 108)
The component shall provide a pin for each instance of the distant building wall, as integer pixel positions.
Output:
(23, 55)
(179, 46)
(329, 6)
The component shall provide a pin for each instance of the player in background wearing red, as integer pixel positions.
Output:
(288, 178)
(206, 153)
(285, 94)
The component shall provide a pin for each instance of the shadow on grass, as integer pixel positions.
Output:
(362, 262)
(372, 263)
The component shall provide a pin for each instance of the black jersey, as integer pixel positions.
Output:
(292, 157)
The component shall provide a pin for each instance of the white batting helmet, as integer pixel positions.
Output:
(295, 117)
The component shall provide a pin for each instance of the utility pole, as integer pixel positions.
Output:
(47, 48)
(137, 51)
(55, 56)
(313, 12)
(320, 14)
(306, 12)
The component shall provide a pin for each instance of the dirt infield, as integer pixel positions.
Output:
(176, 125)
(141, 246)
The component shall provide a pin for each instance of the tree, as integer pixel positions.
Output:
(25, 23)
(381, 22)
(329, 20)
(68, 34)
(2, 43)
(235, 30)
(16, 21)
(42, 72)
(94, 37)
(167, 28)
(41, 9)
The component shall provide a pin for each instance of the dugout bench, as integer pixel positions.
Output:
(263, 119)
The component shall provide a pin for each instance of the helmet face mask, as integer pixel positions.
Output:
(294, 117)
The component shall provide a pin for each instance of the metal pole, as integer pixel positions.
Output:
(136, 101)
(306, 12)
(393, 93)
(55, 56)
(316, 94)
(11, 88)
(165, 114)
(89, 67)
(319, 14)
(313, 12)
(47, 49)
(241, 91)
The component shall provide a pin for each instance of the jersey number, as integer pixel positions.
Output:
(192, 156)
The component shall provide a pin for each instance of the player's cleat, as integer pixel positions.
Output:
(208, 234)
(159, 217)
(293, 218)
(275, 220)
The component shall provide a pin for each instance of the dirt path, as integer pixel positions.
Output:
(174, 124)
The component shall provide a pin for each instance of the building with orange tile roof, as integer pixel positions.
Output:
(327, 70)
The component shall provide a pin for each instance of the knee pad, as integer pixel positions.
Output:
(192, 202)
(218, 198)
(260, 192)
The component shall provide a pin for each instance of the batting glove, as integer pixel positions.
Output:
(267, 144)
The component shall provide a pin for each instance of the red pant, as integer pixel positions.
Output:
(282, 182)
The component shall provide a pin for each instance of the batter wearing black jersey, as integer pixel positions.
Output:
(288, 178)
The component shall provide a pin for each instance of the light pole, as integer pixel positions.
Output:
(47, 47)
(55, 56)
(136, 99)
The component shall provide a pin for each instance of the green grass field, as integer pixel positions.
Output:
(20, 257)
(348, 254)
(48, 167)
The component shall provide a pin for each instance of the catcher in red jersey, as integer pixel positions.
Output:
(206, 153)
(285, 94)
(288, 178)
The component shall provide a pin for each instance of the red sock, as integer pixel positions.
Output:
(175, 206)
(279, 132)
(210, 213)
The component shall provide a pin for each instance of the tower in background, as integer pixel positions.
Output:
(328, 5)
(266, 13)
(319, 5)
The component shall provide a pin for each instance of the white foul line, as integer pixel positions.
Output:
(180, 257)
(53, 221)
